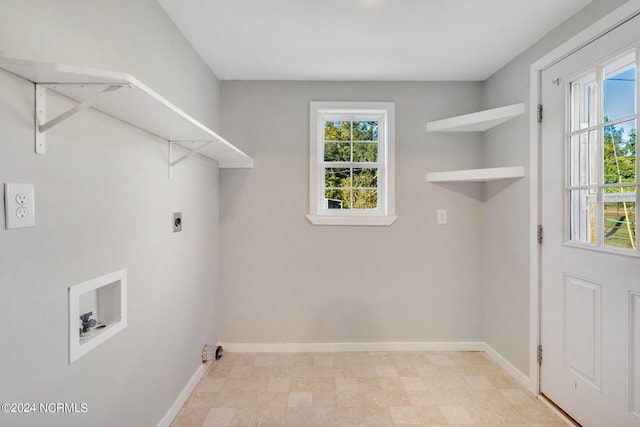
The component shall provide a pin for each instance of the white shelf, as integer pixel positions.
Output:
(124, 97)
(477, 175)
(477, 122)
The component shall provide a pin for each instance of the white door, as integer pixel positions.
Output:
(590, 272)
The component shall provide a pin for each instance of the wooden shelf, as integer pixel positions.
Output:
(124, 97)
(477, 175)
(477, 122)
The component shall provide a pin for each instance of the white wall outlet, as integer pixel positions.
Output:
(21, 198)
(19, 206)
(441, 216)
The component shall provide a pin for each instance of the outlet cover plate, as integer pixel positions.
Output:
(19, 206)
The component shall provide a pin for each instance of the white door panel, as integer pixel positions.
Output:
(590, 272)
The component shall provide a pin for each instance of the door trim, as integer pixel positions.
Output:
(622, 14)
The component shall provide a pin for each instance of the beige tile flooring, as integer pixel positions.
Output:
(361, 389)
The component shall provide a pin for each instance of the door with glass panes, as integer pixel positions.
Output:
(590, 263)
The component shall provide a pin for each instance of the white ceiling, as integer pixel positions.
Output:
(367, 40)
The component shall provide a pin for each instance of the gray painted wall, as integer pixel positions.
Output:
(285, 280)
(506, 212)
(273, 268)
(104, 202)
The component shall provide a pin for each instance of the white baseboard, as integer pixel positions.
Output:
(345, 346)
(521, 378)
(172, 413)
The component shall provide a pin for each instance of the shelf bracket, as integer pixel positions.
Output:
(42, 126)
(190, 154)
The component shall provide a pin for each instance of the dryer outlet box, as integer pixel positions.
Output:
(177, 222)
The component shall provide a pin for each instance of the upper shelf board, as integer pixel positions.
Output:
(133, 103)
(477, 122)
(488, 174)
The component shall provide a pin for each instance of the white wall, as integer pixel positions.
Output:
(285, 280)
(103, 203)
(506, 212)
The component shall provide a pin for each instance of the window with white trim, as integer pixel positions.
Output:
(352, 163)
(602, 184)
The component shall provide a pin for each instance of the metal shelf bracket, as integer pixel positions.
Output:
(42, 125)
(190, 154)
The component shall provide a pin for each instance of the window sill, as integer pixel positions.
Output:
(364, 220)
(602, 249)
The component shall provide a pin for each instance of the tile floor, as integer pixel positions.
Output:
(361, 389)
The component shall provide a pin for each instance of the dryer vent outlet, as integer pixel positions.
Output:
(219, 352)
(207, 352)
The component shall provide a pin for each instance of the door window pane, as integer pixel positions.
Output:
(619, 152)
(583, 157)
(583, 215)
(584, 97)
(601, 160)
(620, 218)
(620, 88)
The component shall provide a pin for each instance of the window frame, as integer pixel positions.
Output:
(574, 129)
(384, 215)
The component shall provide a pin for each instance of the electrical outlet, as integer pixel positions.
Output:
(21, 198)
(441, 216)
(19, 206)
